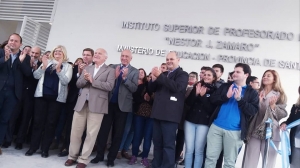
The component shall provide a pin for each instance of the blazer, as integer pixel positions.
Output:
(126, 88)
(20, 69)
(97, 91)
(169, 95)
(64, 76)
(73, 89)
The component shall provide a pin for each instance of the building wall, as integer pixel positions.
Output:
(7, 28)
(97, 24)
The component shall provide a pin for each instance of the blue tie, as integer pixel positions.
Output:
(114, 98)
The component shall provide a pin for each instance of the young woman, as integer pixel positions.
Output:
(196, 121)
(294, 134)
(143, 124)
(272, 103)
(54, 74)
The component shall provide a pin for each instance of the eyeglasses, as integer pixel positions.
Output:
(256, 82)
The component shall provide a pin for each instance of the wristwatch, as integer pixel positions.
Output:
(238, 98)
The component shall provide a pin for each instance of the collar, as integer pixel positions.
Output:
(122, 66)
(243, 87)
(99, 66)
(173, 69)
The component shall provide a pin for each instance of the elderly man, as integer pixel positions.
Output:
(96, 81)
(24, 108)
(119, 106)
(13, 66)
(170, 89)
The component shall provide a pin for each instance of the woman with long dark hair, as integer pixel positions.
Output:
(143, 124)
(197, 118)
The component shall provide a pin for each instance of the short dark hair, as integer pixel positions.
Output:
(90, 50)
(163, 64)
(194, 73)
(205, 68)
(250, 79)
(246, 68)
(26, 46)
(231, 73)
(219, 66)
(16, 35)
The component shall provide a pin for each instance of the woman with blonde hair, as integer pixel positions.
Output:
(294, 134)
(272, 103)
(54, 74)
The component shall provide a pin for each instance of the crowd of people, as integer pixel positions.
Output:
(91, 106)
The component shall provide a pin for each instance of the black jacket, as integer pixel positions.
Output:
(30, 83)
(248, 105)
(73, 90)
(19, 70)
(201, 107)
(169, 95)
(294, 115)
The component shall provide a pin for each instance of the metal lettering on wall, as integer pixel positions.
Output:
(220, 45)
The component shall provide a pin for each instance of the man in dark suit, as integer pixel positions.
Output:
(24, 109)
(13, 65)
(119, 106)
(87, 56)
(169, 88)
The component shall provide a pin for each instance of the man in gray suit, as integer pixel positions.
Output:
(96, 81)
(119, 106)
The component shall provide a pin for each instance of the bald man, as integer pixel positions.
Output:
(24, 108)
(167, 109)
(96, 82)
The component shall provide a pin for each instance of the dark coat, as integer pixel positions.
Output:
(73, 90)
(201, 107)
(169, 95)
(248, 105)
(20, 69)
(294, 115)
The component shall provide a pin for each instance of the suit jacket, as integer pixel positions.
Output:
(126, 88)
(169, 95)
(30, 83)
(19, 70)
(103, 82)
(73, 89)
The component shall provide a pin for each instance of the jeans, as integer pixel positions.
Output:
(195, 140)
(128, 133)
(143, 127)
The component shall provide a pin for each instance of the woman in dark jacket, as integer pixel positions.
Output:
(294, 134)
(197, 118)
(143, 124)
